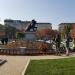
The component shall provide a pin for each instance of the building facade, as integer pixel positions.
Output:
(44, 26)
(21, 25)
(14, 23)
(72, 30)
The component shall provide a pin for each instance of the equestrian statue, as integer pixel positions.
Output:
(31, 26)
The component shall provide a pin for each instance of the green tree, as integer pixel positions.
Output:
(2, 27)
(20, 35)
(66, 30)
(10, 31)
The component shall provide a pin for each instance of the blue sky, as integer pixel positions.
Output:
(53, 11)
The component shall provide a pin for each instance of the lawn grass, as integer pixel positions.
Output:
(52, 67)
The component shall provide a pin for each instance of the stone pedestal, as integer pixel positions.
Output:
(30, 36)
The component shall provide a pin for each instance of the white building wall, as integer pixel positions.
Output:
(44, 25)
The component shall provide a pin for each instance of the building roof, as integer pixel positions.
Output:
(10, 20)
(44, 23)
(65, 23)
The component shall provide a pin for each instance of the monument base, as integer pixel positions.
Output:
(30, 36)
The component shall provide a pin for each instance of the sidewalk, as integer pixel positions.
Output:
(16, 64)
(13, 66)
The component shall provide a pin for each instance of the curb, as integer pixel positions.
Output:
(23, 72)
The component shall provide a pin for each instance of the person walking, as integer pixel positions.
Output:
(74, 44)
(67, 44)
(58, 42)
(2, 41)
(6, 40)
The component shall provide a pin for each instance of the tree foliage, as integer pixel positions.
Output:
(10, 31)
(20, 35)
(48, 33)
(67, 30)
